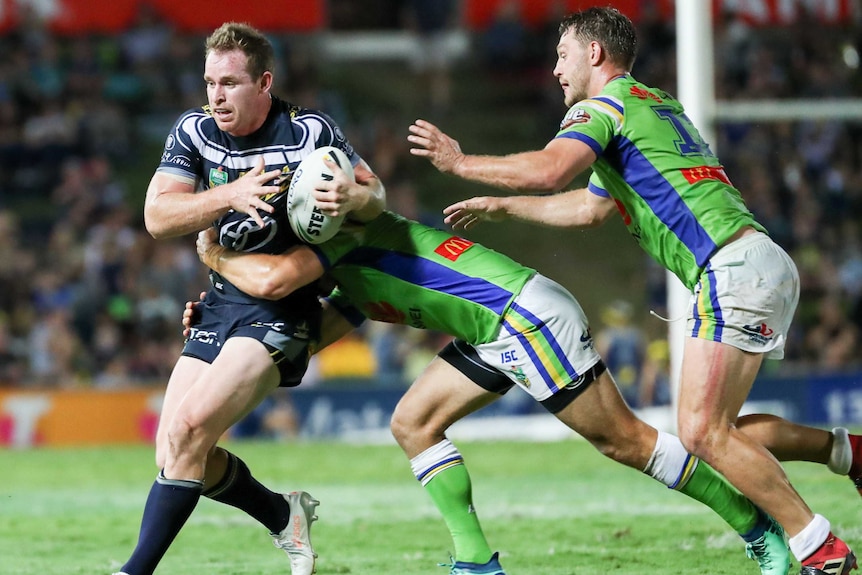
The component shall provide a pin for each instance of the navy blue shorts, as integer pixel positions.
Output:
(290, 338)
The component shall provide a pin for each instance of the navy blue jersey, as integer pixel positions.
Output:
(198, 151)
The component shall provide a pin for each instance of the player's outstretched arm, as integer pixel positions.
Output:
(544, 171)
(572, 209)
(266, 276)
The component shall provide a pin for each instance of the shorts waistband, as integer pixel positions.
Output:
(740, 245)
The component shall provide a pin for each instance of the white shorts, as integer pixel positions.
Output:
(746, 297)
(544, 343)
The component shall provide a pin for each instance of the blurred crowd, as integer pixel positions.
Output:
(88, 298)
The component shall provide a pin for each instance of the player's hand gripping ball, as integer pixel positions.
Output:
(307, 221)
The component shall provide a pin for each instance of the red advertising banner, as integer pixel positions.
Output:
(83, 16)
(202, 16)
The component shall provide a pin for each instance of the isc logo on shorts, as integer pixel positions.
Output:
(203, 336)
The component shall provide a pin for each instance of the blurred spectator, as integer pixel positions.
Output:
(181, 74)
(71, 198)
(274, 418)
(151, 363)
(815, 143)
(57, 355)
(850, 262)
(733, 42)
(104, 129)
(349, 357)
(432, 60)
(145, 44)
(504, 42)
(657, 44)
(108, 243)
(13, 357)
(107, 343)
(86, 73)
(655, 375)
(421, 347)
(143, 50)
(387, 342)
(833, 343)
(621, 345)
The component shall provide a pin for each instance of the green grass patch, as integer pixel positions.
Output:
(551, 509)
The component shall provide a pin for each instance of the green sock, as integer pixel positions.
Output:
(713, 490)
(452, 493)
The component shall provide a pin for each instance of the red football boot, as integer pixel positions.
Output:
(832, 558)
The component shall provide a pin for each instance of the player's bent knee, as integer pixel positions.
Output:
(699, 438)
(410, 429)
(403, 428)
(185, 436)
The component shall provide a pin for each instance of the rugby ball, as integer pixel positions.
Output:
(306, 220)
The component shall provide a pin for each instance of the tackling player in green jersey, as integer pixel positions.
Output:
(512, 326)
(650, 165)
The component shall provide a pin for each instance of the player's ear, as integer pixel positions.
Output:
(596, 51)
(265, 81)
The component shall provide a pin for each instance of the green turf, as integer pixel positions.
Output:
(551, 509)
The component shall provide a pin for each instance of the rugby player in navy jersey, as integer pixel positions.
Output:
(228, 166)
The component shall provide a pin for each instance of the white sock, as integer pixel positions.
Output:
(806, 542)
(434, 460)
(842, 455)
(670, 463)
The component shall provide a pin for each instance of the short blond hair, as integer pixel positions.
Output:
(610, 28)
(239, 36)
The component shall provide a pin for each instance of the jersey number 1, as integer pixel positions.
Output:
(689, 142)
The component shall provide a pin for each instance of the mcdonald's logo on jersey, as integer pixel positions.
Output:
(452, 248)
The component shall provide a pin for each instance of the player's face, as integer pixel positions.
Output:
(572, 69)
(234, 96)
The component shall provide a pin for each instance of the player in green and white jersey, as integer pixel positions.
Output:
(650, 164)
(512, 326)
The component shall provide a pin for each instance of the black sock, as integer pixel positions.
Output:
(168, 506)
(239, 489)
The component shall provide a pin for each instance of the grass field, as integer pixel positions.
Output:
(551, 509)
